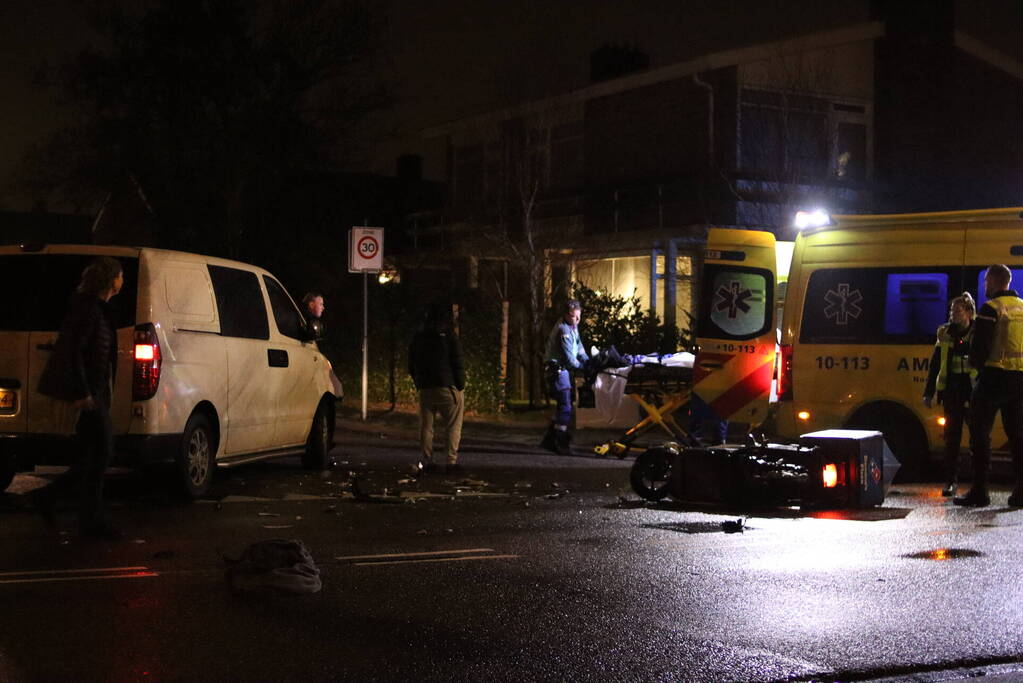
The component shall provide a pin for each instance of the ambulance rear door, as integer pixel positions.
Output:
(735, 327)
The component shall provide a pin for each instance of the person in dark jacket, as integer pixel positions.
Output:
(950, 377)
(435, 364)
(81, 371)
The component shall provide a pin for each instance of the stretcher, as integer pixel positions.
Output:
(660, 390)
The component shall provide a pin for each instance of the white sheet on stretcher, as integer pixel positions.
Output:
(609, 387)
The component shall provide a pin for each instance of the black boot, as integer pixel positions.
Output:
(977, 497)
(549, 441)
(1016, 497)
(563, 442)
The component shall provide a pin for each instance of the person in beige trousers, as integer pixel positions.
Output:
(435, 364)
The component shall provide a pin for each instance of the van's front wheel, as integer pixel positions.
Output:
(195, 462)
(321, 438)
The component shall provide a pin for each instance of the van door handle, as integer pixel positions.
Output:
(277, 358)
(45, 347)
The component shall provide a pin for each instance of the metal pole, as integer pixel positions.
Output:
(365, 342)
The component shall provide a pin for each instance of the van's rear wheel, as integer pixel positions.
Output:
(196, 461)
(903, 433)
(321, 438)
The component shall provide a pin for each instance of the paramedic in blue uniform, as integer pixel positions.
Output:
(997, 353)
(565, 354)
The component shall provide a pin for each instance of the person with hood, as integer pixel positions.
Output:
(435, 364)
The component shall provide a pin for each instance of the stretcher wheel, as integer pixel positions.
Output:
(651, 474)
(602, 449)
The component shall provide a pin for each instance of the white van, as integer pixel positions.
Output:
(216, 364)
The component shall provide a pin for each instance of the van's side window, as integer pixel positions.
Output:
(289, 320)
(735, 302)
(240, 302)
(875, 305)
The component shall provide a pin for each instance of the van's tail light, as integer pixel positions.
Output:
(784, 372)
(830, 475)
(146, 373)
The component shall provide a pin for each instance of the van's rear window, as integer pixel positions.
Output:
(37, 289)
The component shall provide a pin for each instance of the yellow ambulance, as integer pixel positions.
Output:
(852, 348)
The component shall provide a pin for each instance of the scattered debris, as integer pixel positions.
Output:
(523, 484)
(330, 510)
(138, 541)
(552, 496)
(422, 532)
(267, 514)
(731, 527)
(278, 526)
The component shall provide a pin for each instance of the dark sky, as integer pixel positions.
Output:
(448, 57)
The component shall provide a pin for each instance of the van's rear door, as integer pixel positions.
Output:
(735, 324)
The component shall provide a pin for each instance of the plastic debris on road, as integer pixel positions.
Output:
(277, 565)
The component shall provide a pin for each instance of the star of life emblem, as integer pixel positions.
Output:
(732, 298)
(843, 304)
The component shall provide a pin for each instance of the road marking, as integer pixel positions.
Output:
(429, 556)
(55, 575)
(423, 554)
(438, 559)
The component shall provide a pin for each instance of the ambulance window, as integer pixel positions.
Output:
(915, 304)
(1017, 284)
(240, 302)
(736, 302)
(843, 305)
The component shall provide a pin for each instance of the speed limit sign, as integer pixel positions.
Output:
(365, 250)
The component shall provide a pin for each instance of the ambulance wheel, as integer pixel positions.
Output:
(902, 432)
(651, 474)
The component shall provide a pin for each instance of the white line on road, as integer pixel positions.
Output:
(423, 554)
(437, 559)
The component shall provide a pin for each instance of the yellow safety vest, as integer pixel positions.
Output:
(1007, 349)
(951, 363)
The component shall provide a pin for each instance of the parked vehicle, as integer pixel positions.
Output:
(216, 365)
(864, 297)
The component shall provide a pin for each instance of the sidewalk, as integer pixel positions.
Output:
(514, 431)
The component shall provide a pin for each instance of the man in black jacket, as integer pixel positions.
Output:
(435, 363)
(997, 351)
(81, 371)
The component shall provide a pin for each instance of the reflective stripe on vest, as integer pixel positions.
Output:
(950, 363)
(1007, 349)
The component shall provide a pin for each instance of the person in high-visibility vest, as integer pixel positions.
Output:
(997, 351)
(951, 378)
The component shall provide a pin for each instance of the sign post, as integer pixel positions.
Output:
(365, 255)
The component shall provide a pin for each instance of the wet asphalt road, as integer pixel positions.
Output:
(530, 567)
